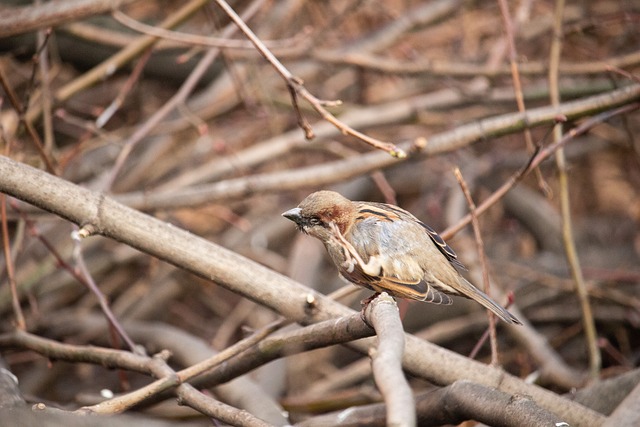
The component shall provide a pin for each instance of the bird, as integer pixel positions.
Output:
(385, 248)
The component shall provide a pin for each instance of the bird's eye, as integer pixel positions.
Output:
(315, 220)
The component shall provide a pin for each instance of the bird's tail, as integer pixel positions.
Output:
(471, 292)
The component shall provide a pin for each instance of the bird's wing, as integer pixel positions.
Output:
(391, 212)
(401, 272)
(442, 246)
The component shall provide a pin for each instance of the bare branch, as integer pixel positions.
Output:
(382, 313)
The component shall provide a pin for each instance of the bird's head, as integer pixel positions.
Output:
(315, 214)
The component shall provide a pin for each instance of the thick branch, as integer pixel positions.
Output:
(382, 313)
(454, 404)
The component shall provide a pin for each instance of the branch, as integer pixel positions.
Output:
(450, 69)
(19, 20)
(382, 313)
(571, 252)
(626, 414)
(461, 401)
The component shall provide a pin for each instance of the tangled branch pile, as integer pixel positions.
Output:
(124, 123)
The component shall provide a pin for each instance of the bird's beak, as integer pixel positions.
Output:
(292, 214)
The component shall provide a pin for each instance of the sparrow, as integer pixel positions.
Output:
(386, 249)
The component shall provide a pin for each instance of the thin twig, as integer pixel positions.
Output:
(81, 274)
(31, 130)
(6, 247)
(11, 277)
(124, 90)
(515, 74)
(483, 262)
(190, 39)
(571, 252)
(41, 61)
(83, 271)
(624, 73)
(302, 120)
(295, 86)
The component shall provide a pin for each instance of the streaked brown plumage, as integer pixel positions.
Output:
(386, 249)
